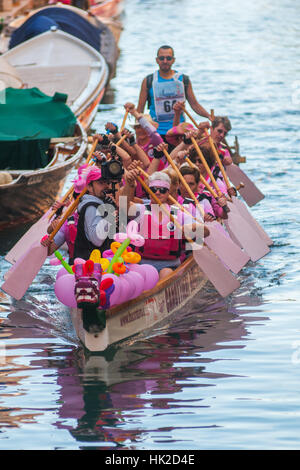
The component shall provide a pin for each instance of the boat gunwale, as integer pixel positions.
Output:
(161, 285)
(48, 170)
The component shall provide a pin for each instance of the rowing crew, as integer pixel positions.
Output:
(102, 212)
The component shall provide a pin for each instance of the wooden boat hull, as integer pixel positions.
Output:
(32, 192)
(130, 318)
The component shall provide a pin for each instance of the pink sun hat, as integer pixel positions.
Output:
(93, 175)
(86, 174)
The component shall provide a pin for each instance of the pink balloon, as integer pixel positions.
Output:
(61, 272)
(138, 268)
(79, 261)
(137, 281)
(122, 289)
(64, 290)
(150, 273)
(152, 276)
(54, 261)
(117, 293)
(128, 287)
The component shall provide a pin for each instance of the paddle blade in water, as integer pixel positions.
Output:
(243, 234)
(24, 271)
(222, 279)
(251, 220)
(250, 193)
(34, 233)
(225, 248)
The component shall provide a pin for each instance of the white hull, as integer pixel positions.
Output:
(58, 62)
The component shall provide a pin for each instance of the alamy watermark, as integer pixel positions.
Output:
(183, 226)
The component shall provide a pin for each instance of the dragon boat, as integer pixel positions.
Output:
(169, 296)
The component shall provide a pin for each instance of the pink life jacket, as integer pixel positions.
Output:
(161, 242)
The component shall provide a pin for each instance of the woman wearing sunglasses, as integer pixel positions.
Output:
(164, 242)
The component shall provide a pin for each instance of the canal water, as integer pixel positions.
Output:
(226, 376)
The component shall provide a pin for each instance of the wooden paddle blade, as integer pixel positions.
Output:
(251, 220)
(34, 233)
(243, 234)
(250, 193)
(225, 248)
(25, 271)
(222, 279)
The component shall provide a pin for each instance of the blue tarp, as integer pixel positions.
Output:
(66, 20)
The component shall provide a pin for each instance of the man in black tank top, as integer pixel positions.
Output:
(97, 218)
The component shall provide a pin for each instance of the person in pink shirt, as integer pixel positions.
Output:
(147, 138)
(213, 208)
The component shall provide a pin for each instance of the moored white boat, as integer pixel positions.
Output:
(56, 61)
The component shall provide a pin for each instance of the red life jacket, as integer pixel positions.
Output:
(163, 245)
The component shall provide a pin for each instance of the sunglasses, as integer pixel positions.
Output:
(154, 189)
(168, 58)
(222, 132)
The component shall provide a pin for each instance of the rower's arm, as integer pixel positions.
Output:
(194, 103)
(143, 97)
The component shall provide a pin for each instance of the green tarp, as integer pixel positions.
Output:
(28, 120)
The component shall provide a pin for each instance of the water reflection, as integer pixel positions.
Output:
(103, 393)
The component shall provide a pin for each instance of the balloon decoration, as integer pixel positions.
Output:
(125, 239)
(64, 290)
(107, 280)
(149, 273)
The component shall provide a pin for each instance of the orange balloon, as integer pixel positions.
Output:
(119, 268)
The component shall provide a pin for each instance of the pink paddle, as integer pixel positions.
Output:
(220, 277)
(28, 265)
(35, 232)
(38, 230)
(250, 193)
(239, 229)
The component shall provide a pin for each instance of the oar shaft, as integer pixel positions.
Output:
(183, 209)
(121, 140)
(191, 118)
(173, 200)
(207, 169)
(70, 191)
(151, 193)
(218, 160)
(202, 179)
(124, 120)
(180, 176)
(67, 213)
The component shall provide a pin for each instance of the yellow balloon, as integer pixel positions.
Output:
(114, 246)
(95, 256)
(104, 263)
(132, 257)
